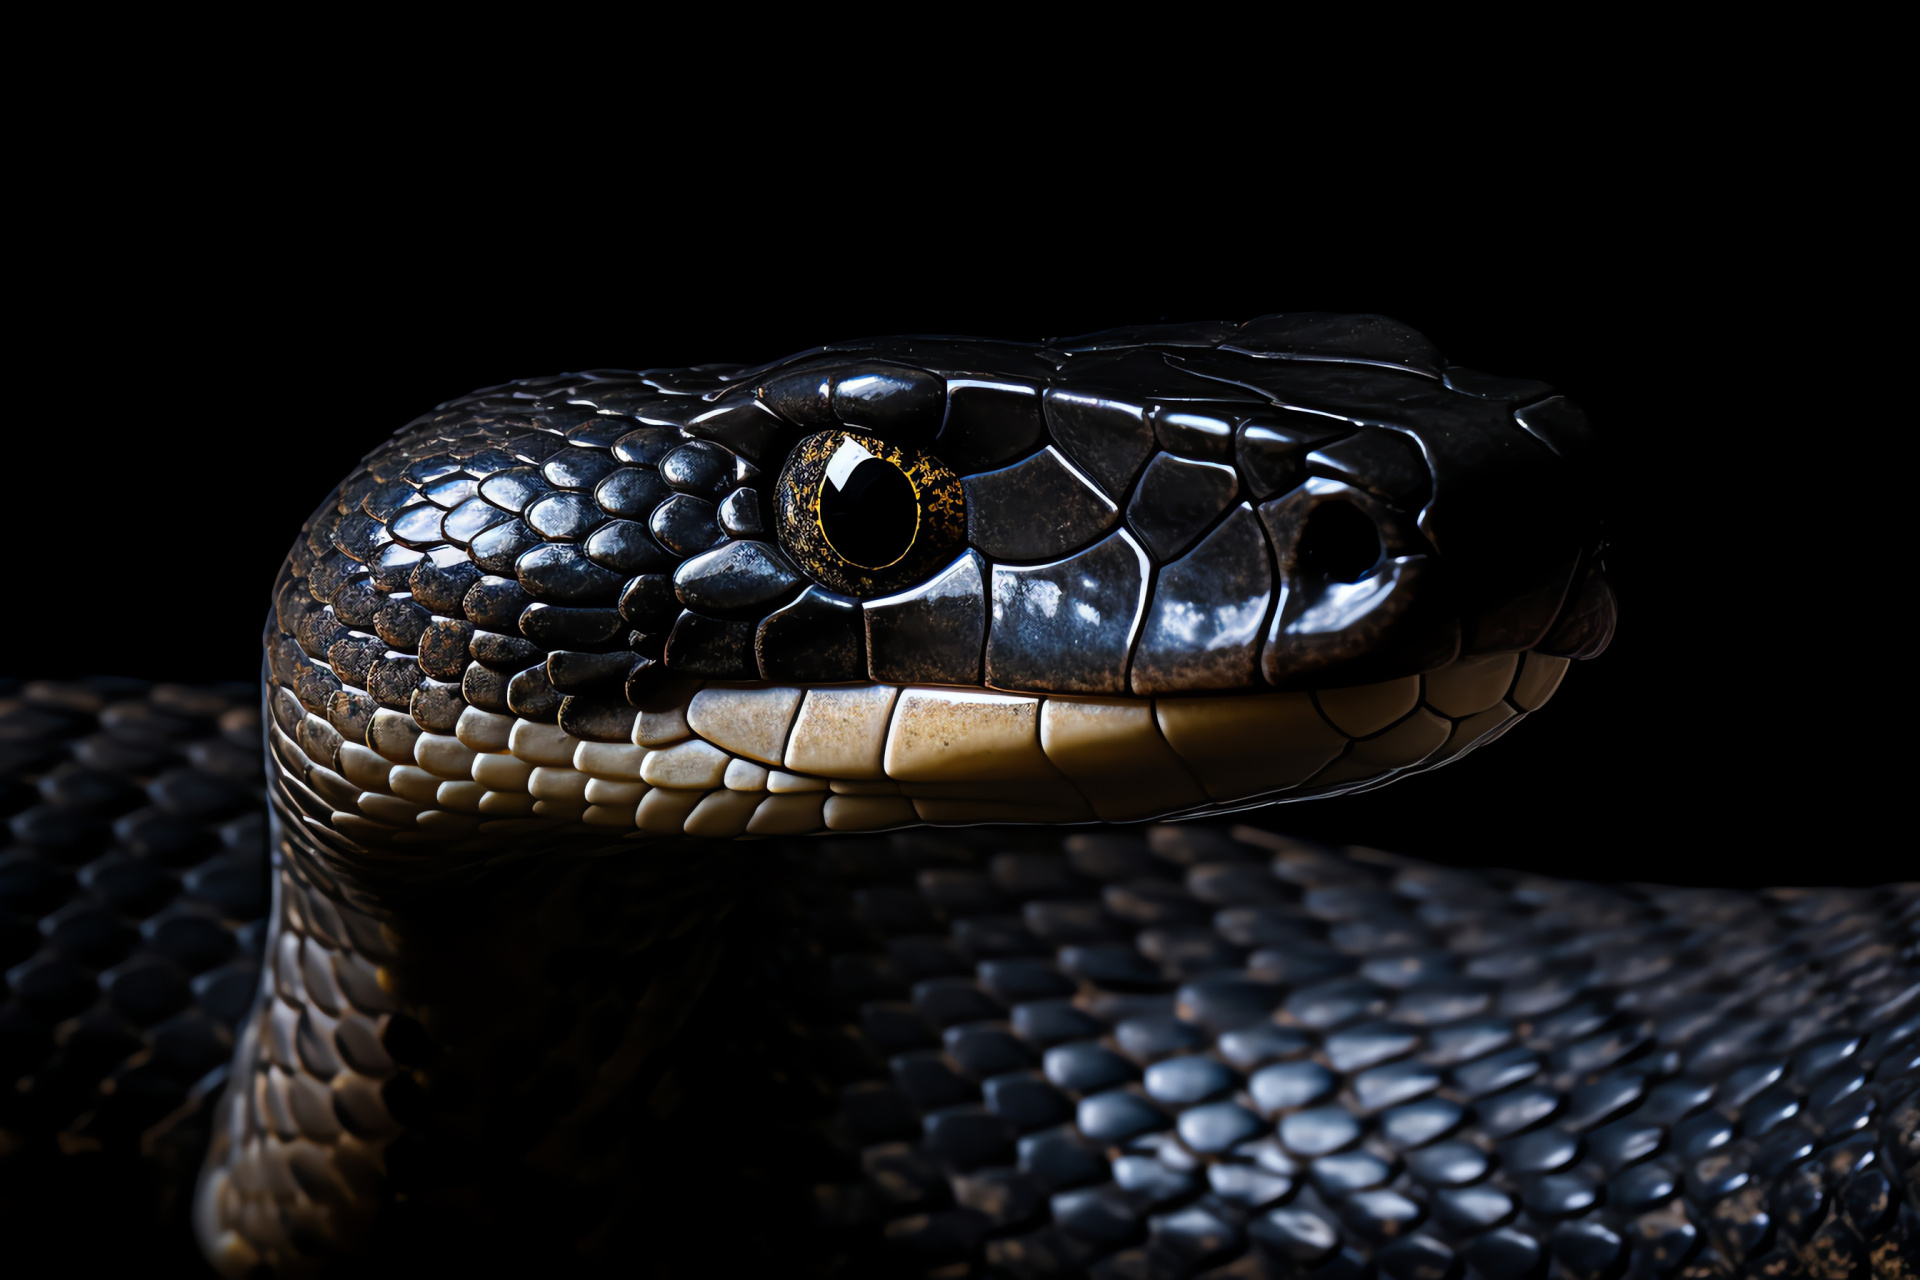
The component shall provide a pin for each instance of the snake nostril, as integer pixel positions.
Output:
(1339, 543)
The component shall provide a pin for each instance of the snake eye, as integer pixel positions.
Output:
(868, 509)
(865, 517)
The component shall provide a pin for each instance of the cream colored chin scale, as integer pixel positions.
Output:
(725, 760)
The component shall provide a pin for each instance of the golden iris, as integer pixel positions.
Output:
(865, 517)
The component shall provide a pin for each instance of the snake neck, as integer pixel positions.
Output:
(498, 1052)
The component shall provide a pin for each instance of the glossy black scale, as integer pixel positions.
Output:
(138, 977)
(1031, 1051)
(1170, 425)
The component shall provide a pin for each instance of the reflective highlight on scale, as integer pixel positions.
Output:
(1297, 504)
(598, 710)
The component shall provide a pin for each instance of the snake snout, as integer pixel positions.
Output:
(1362, 597)
(1339, 543)
(1585, 626)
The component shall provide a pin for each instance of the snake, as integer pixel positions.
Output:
(810, 819)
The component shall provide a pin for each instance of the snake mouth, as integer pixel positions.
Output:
(727, 759)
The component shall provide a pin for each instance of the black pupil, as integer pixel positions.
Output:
(871, 519)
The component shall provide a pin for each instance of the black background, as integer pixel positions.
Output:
(200, 371)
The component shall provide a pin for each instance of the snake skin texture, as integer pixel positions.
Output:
(1154, 572)
(1185, 1053)
(633, 742)
(133, 903)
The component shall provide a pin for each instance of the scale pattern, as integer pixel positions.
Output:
(1193, 1052)
(1142, 510)
(524, 1001)
(1198, 1053)
(1219, 1054)
(132, 912)
(721, 760)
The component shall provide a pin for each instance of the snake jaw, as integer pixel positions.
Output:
(726, 759)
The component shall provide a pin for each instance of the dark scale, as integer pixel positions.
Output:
(121, 1002)
(1183, 1051)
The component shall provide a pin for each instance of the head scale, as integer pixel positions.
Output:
(1147, 573)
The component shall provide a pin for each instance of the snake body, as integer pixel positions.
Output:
(627, 741)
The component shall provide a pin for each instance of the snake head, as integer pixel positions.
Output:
(1167, 570)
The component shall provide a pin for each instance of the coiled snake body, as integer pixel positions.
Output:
(629, 741)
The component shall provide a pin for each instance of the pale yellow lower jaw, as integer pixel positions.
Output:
(732, 760)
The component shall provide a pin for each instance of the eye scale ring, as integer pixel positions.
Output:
(865, 517)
